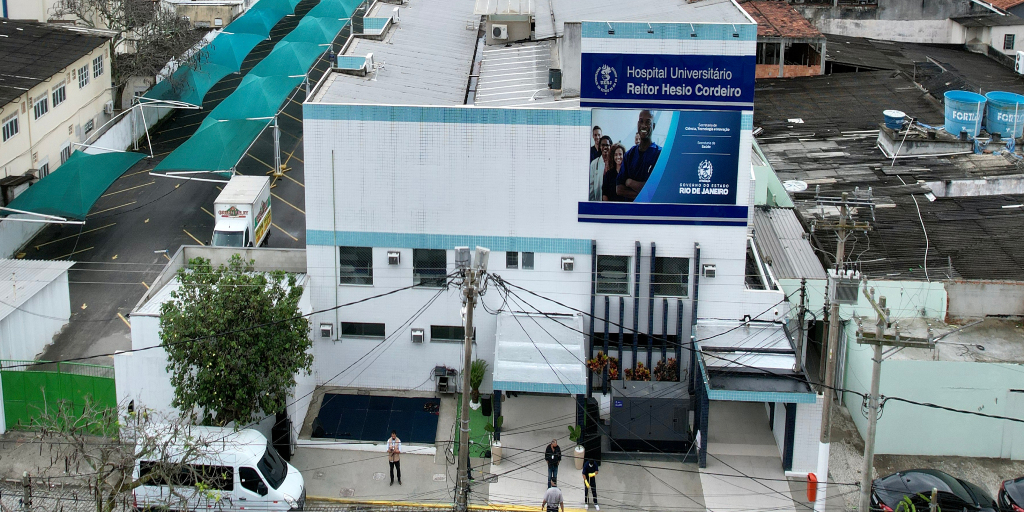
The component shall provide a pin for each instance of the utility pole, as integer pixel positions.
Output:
(472, 283)
(843, 226)
(877, 341)
(801, 339)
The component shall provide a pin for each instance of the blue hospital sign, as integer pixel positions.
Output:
(667, 81)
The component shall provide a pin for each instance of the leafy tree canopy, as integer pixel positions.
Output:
(235, 339)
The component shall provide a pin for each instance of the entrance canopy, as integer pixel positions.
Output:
(540, 354)
(750, 362)
(71, 189)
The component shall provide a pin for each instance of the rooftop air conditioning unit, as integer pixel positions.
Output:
(108, 108)
(395, 18)
(394, 258)
(368, 65)
(567, 263)
(326, 330)
(499, 31)
(417, 335)
(709, 270)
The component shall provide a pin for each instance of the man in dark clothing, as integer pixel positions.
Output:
(639, 160)
(595, 150)
(590, 482)
(553, 455)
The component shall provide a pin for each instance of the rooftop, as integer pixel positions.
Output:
(20, 280)
(782, 241)
(989, 20)
(1006, 4)
(32, 52)
(779, 19)
(823, 131)
(703, 11)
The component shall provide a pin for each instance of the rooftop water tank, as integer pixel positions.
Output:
(964, 112)
(1004, 114)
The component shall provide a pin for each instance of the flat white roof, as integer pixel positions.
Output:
(22, 279)
(152, 306)
(539, 354)
(242, 189)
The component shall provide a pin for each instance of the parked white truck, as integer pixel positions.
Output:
(242, 212)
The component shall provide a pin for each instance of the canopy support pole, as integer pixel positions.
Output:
(278, 172)
(47, 219)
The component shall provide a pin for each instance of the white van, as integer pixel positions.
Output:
(242, 471)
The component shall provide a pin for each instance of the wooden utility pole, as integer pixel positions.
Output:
(843, 226)
(878, 340)
(474, 275)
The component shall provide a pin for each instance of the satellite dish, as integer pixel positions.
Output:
(794, 185)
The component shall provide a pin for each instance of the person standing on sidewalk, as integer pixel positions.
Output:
(590, 482)
(553, 455)
(394, 454)
(552, 499)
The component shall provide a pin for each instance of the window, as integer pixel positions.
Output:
(449, 333)
(362, 329)
(429, 267)
(528, 260)
(44, 168)
(41, 106)
(613, 275)
(10, 127)
(1008, 42)
(356, 265)
(273, 467)
(511, 260)
(89, 126)
(65, 153)
(83, 76)
(249, 479)
(671, 276)
(97, 66)
(59, 94)
(216, 477)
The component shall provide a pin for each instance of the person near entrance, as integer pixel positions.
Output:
(590, 482)
(553, 455)
(552, 499)
(394, 456)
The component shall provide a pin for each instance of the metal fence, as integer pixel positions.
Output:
(30, 387)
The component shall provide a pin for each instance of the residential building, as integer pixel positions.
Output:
(35, 10)
(787, 44)
(55, 91)
(442, 133)
(214, 14)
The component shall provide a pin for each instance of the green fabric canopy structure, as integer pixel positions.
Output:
(252, 106)
(223, 55)
(71, 189)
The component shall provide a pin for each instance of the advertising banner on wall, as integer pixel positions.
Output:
(717, 82)
(675, 157)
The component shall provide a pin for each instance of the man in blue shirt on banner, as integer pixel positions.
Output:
(639, 160)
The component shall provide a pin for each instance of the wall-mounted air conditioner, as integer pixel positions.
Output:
(417, 335)
(326, 330)
(108, 107)
(568, 262)
(394, 257)
(499, 31)
(709, 270)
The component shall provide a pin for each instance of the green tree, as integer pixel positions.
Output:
(234, 339)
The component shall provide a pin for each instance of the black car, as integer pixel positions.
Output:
(955, 495)
(1011, 495)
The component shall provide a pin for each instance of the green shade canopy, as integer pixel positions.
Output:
(71, 189)
(229, 130)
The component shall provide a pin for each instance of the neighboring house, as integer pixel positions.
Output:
(210, 13)
(38, 10)
(1003, 34)
(787, 44)
(55, 90)
(1015, 7)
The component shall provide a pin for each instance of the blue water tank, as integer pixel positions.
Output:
(964, 112)
(1004, 114)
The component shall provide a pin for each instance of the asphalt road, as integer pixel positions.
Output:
(116, 250)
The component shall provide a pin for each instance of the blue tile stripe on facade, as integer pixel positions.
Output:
(540, 387)
(681, 31)
(449, 115)
(447, 242)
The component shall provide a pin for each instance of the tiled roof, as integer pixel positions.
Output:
(779, 19)
(1006, 4)
(32, 52)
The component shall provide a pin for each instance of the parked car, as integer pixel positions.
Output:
(955, 495)
(1011, 495)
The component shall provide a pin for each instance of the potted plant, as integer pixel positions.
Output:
(477, 370)
(667, 370)
(495, 445)
(575, 433)
(641, 372)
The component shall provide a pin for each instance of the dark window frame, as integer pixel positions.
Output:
(662, 281)
(527, 256)
(511, 259)
(363, 330)
(429, 276)
(607, 284)
(361, 273)
(449, 333)
(1008, 41)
